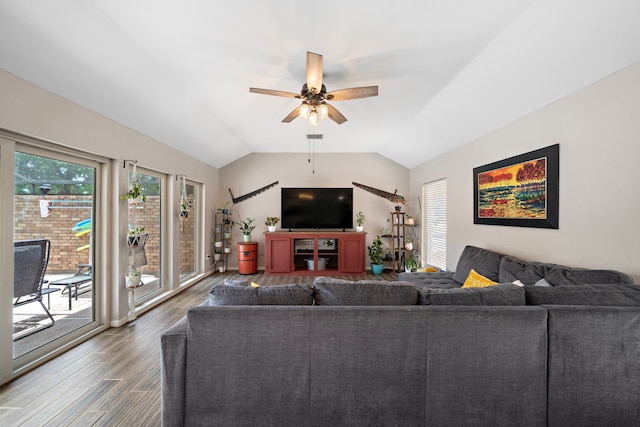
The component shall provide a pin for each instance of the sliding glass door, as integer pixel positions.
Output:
(54, 205)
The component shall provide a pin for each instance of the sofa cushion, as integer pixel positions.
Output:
(477, 280)
(592, 294)
(501, 294)
(293, 294)
(484, 261)
(512, 268)
(560, 276)
(441, 279)
(330, 291)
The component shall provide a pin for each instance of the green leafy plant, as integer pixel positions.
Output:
(134, 192)
(225, 206)
(360, 218)
(134, 231)
(246, 226)
(410, 264)
(375, 251)
(271, 220)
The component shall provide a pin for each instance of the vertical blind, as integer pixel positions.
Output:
(435, 224)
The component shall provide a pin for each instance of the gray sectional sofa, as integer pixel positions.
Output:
(369, 353)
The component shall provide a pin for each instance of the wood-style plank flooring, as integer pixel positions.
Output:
(113, 379)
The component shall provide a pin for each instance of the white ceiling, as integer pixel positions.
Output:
(448, 71)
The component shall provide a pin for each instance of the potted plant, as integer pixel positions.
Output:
(408, 219)
(217, 253)
(408, 245)
(375, 255)
(184, 210)
(225, 207)
(360, 221)
(410, 264)
(135, 192)
(398, 201)
(133, 277)
(246, 227)
(136, 237)
(271, 222)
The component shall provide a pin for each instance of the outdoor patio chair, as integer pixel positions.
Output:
(83, 276)
(30, 260)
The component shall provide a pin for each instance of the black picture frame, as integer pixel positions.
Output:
(532, 202)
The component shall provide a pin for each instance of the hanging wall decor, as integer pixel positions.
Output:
(519, 191)
(394, 197)
(253, 193)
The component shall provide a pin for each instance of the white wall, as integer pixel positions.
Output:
(294, 170)
(598, 130)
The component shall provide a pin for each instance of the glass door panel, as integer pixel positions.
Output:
(146, 217)
(188, 229)
(54, 202)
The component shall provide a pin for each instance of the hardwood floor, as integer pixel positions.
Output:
(114, 378)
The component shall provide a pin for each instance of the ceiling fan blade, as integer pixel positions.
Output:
(336, 115)
(274, 92)
(314, 72)
(353, 93)
(292, 115)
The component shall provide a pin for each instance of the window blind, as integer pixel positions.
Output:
(435, 221)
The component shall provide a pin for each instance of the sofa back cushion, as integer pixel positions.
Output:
(330, 291)
(560, 276)
(512, 268)
(594, 365)
(483, 261)
(293, 294)
(501, 294)
(598, 294)
(245, 364)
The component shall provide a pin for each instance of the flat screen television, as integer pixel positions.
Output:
(317, 208)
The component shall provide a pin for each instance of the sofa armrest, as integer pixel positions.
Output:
(173, 357)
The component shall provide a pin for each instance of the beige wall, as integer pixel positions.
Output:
(326, 170)
(598, 130)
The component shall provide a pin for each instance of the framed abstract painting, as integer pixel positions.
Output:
(520, 191)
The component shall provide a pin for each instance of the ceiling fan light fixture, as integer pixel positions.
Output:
(323, 111)
(314, 106)
(313, 118)
(305, 109)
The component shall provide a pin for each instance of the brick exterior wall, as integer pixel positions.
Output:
(66, 213)
(29, 224)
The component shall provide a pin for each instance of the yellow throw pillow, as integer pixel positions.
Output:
(255, 285)
(477, 280)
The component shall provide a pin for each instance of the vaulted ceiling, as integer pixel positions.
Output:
(448, 71)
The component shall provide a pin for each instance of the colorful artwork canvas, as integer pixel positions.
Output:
(520, 191)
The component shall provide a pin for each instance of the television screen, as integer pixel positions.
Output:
(317, 208)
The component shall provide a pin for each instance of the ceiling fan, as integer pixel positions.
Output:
(314, 95)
